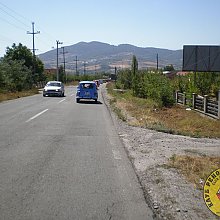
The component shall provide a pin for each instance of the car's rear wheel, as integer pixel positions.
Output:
(77, 100)
(95, 100)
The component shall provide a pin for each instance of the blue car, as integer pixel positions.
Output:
(86, 90)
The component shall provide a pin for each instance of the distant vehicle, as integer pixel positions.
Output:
(86, 90)
(54, 88)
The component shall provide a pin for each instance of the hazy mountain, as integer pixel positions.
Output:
(97, 56)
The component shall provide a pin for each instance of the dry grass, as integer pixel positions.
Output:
(15, 95)
(195, 169)
(188, 122)
(175, 120)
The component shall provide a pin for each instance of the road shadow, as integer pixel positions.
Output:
(55, 96)
(89, 102)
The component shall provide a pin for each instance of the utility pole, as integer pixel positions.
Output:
(84, 64)
(64, 63)
(76, 65)
(115, 73)
(58, 42)
(33, 34)
(157, 61)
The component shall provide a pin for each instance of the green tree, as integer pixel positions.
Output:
(124, 79)
(39, 70)
(204, 81)
(15, 75)
(62, 76)
(134, 72)
(1, 76)
(22, 53)
(157, 87)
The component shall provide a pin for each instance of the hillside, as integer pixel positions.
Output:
(97, 56)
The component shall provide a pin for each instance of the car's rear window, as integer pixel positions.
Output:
(87, 85)
(53, 84)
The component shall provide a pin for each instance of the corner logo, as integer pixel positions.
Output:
(212, 192)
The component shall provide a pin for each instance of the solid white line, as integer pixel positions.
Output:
(35, 116)
(61, 100)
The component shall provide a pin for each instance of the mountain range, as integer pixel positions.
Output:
(97, 56)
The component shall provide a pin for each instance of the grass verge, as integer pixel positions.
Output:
(175, 120)
(196, 169)
(15, 95)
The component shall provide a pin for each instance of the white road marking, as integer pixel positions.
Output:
(61, 100)
(116, 154)
(35, 116)
(72, 95)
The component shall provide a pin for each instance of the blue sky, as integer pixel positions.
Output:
(166, 24)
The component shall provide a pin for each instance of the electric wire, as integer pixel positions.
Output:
(10, 12)
(12, 24)
(14, 12)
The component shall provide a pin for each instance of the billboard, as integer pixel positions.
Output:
(201, 58)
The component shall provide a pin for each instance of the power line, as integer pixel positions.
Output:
(12, 16)
(16, 14)
(157, 61)
(44, 32)
(12, 24)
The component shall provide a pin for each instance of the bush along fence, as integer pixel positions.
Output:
(202, 104)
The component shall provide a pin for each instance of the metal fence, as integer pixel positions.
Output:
(202, 104)
(39, 85)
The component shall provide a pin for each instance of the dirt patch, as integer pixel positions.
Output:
(167, 190)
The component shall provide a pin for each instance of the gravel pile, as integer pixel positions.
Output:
(166, 191)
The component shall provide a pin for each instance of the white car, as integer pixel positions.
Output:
(55, 88)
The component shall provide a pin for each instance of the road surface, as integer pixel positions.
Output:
(64, 160)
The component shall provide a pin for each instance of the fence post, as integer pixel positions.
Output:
(218, 103)
(205, 103)
(184, 98)
(193, 100)
(177, 96)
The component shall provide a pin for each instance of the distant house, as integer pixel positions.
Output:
(50, 71)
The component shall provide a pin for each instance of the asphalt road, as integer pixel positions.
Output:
(64, 160)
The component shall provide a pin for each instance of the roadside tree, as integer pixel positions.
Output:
(22, 53)
(135, 77)
(15, 76)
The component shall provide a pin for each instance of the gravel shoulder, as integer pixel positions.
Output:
(166, 191)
